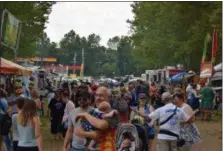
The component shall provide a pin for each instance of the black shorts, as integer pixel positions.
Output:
(27, 148)
(56, 126)
(15, 145)
(151, 136)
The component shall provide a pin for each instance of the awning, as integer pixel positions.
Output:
(178, 77)
(217, 73)
(9, 67)
(218, 68)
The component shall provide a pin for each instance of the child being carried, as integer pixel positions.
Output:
(104, 110)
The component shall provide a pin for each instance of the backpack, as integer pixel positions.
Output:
(5, 121)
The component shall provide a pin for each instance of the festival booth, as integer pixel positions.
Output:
(217, 72)
(216, 78)
(9, 67)
(8, 71)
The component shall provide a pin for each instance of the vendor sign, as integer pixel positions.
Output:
(206, 69)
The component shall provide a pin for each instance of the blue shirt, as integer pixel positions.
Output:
(26, 92)
(4, 104)
(134, 98)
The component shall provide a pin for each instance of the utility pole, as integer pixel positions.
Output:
(75, 56)
(83, 61)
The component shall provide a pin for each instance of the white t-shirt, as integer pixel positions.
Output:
(188, 90)
(173, 125)
(50, 96)
(68, 108)
(189, 87)
(198, 87)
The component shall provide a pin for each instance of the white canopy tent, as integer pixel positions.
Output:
(217, 72)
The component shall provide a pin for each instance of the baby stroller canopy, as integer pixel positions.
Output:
(122, 130)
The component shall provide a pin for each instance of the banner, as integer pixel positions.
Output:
(38, 59)
(214, 44)
(10, 29)
(206, 69)
(81, 71)
(206, 51)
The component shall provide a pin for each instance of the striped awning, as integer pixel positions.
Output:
(9, 67)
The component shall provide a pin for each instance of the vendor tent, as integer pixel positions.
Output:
(9, 67)
(218, 68)
(217, 73)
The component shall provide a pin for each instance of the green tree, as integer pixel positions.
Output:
(34, 16)
(94, 54)
(168, 33)
(108, 69)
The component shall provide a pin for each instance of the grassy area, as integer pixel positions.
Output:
(49, 144)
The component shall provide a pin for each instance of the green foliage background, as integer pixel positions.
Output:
(162, 33)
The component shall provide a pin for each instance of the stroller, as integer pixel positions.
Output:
(142, 133)
(136, 133)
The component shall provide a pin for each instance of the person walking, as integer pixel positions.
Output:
(145, 108)
(78, 143)
(107, 127)
(56, 109)
(30, 136)
(15, 134)
(189, 132)
(68, 108)
(170, 117)
(207, 97)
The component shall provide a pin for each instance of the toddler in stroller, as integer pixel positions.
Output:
(104, 110)
(131, 137)
(128, 142)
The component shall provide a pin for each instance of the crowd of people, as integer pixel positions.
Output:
(86, 116)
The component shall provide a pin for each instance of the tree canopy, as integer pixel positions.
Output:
(162, 33)
(168, 33)
(34, 16)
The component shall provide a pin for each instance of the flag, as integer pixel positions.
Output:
(206, 40)
(81, 71)
(214, 44)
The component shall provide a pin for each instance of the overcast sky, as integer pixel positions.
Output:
(106, 19)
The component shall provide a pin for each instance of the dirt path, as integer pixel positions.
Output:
(210, 133)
